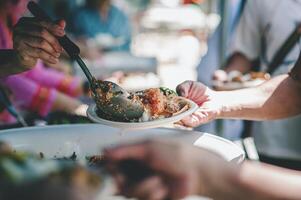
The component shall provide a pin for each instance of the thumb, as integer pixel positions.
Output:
(184, 88)
(61, 23)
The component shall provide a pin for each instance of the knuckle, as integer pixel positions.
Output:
(39, 52)
(43, 44)
(26, 58)
(43, 32)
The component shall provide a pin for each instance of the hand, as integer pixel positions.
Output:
(210, 105)
(34, 39)
(180, 169)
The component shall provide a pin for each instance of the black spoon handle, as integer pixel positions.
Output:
(86, 71)
(70, 47)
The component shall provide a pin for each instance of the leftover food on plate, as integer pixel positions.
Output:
(27, 176)
(237, 80)
(158, 103)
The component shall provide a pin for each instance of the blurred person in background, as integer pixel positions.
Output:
(41, 89)
(262, 30)
(218, 44)
(103, 26)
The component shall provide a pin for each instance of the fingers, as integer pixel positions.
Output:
(35, 39)
(45, 30)
(61, 23)
(184, 89)
(195, 91)
(152, 188)
(196, 119)
(40, 53)
(136, 151)
(39, 43)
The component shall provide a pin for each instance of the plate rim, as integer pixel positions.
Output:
(140, 125)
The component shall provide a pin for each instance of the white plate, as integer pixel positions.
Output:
(90, 139)
(91, 112)
(236, 85)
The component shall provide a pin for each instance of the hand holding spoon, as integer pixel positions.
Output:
(113, 102)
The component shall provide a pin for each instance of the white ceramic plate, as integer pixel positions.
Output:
(236, 85)
(89, 139)
(91, 112)
(62, 141)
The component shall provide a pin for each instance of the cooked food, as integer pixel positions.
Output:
(237, 80)
(161, 103)
(158, 103)
(28, 177)
(238, 77)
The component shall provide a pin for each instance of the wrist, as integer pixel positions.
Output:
(228, 107)
(222, 180)
(221, 105)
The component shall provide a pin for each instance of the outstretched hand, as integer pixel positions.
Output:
(209, 105)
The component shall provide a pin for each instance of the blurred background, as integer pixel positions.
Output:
(138, 44)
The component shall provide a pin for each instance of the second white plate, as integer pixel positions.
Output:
(91, 112)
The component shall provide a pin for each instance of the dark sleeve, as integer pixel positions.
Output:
(296, 71)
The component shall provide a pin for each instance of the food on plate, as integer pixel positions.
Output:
(158, 103)
(161, 103)
(25, 176)
(237, 80)
(236, 76)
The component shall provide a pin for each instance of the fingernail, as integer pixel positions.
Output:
(60, 50)
(57, 55)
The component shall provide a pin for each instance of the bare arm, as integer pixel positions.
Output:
(253, 181)
(200, 172)
(275, 99)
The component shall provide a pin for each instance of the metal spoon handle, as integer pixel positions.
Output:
(85, 69)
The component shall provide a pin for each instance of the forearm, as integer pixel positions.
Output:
(254, 181)
(10, 63)
(275, 99)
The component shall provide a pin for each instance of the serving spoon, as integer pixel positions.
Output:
(113, 102)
